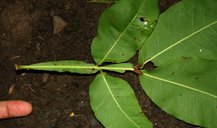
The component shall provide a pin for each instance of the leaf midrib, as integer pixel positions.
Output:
(116, 42)
(118, 105)
(74, 67)
(181, 85)
(180, 41)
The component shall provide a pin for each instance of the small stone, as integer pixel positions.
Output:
(72, 114)
(45, 77)
(58, 24)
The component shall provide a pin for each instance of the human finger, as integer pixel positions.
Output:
(14, 108)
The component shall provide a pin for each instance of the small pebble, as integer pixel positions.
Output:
(45, 77)
(72, 114)
(58, 24)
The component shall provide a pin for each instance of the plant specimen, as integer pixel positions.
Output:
(177, 64)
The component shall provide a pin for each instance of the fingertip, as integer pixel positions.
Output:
(27, 107)
(18, 108)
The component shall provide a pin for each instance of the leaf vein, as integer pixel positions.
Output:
(116, 42)
(181, 85)
(118, 105)
(180, 41)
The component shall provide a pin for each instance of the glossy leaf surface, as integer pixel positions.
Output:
(115, 105)
(183, 46)
(122, 30)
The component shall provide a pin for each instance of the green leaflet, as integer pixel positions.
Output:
(185, 89)
(187, 29)
(115, 105)
(183, 47)
(122, 30)
(72, 66)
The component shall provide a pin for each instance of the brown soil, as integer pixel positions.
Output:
(26, 37)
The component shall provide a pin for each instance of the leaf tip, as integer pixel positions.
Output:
(18, 67)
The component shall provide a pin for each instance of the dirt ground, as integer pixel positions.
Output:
(26, 37)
